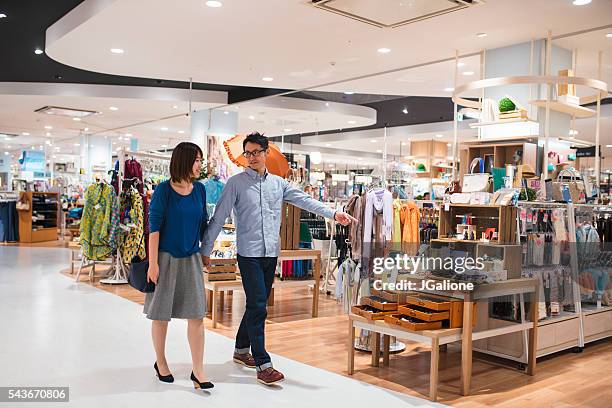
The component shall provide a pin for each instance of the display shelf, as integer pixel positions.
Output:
(589, 309)
(564, 107)
(35, 230)
(559, 318)
(501, 122)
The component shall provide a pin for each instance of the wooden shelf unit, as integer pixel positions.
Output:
(502, 218)
(502, 153)
(37, 231)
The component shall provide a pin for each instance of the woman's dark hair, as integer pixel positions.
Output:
(256, 137)
(181, 163)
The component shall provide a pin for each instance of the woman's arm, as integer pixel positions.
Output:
(153, 272)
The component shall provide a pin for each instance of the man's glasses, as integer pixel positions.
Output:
(254, 153)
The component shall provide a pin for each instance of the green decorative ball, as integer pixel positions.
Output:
(506, 105)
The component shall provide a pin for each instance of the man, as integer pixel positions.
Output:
(257, 198)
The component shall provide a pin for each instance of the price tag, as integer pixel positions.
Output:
(545, 217)
(446, 206)
(97, 206)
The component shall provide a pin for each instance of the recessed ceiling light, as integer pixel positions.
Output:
(164, 145)
(86, 129)
(327, 104)
(117, 50)
(378, 151)
(48, 142)
(449, 144)
(609, 35)
(481, 35)
(181, 132)
(48, 134)
(405, 111)
(114, 143)
(174, 106)
(128, 135)
(327, 145)
(349, 93)
(164, 129)
(25, 133)
(120, 137)
(6, 153)
(360, 158)
(113, 108)
(267, 79)
(468, 73)
(581, 2)
(449, 89)
(48, 127)
(287, 130)
(2, 15)
(439, 136)
(608, 145)
(573, 132)
(214, 4)
(252, 117)
(384, 50)
(404, 143)
(76, 119)
(38, 51)
(460, 64)
(77, 144)
(351, 122)
(373, 141)
(54, 156)
(226, 112)
(33, 148)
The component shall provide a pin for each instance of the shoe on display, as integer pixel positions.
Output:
(246, 360)
(270, 376)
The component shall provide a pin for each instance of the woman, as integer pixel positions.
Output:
(177, 219)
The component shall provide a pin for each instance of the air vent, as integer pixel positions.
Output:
(69, 112)
(393, 13)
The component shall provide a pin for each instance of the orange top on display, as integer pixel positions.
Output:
(276, 162)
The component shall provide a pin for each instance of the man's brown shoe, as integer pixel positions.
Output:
(246, 360)
(270, 376)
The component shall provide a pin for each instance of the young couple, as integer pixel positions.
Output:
(178, 223)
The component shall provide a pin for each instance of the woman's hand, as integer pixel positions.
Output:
(153, 272)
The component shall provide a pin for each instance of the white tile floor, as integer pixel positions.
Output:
(58, 333)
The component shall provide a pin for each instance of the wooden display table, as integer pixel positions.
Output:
(216, 289)
(435, 338)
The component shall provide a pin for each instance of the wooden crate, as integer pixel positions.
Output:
(386, 306)
(437, 303)
(423, 313)
(396, 319)
(368, 314)
(213, 277)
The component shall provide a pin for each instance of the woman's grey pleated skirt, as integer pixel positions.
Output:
(179, 292)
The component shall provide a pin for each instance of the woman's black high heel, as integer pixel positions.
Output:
(163, 378)
(202, 385)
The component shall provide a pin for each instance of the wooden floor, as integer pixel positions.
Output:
(563, 380)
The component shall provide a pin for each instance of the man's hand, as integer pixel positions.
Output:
(344, 219)
(206, 261)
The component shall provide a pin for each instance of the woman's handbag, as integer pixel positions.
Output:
(575, 186)
(475, 182)
(137, 277)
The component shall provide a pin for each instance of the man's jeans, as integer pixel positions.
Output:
(257, 278)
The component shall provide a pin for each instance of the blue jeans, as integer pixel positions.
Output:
(257, 278)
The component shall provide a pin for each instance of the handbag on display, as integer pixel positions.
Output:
(23, 205)
(453, 187)
(137, 277)
(475, 182)
(574, 186)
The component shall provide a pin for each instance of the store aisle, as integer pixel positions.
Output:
(58, 333)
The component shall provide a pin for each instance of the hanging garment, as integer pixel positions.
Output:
(100, 222)
(410, 217)
(397, 224)
(131, 237)
(214, 187)
(133, 169)
(9, 221)
(354, 208)
(381, 201)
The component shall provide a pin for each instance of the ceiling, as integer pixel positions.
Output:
(297, 45)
